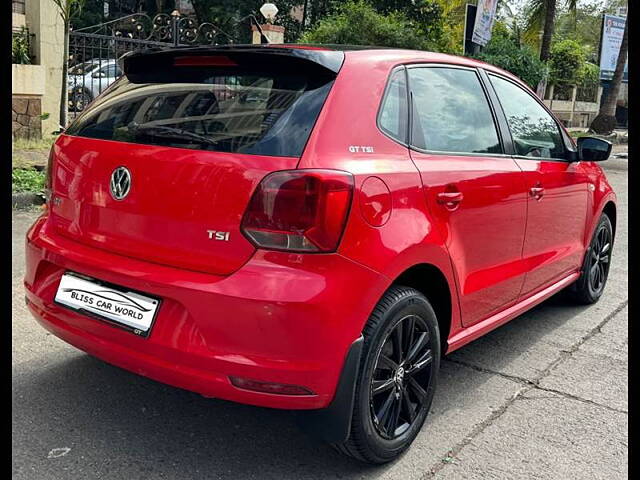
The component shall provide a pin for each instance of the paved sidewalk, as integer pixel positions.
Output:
(543, 397)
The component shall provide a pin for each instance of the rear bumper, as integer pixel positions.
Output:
(284, 318)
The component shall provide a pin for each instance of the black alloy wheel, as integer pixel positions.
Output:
(401, 377)
(600, 258)
(397, 376)
(595, 268)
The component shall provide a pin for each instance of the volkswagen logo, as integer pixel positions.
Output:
(120, 183)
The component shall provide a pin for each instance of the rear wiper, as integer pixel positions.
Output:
(169, 132)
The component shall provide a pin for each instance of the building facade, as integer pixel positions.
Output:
(36, 84)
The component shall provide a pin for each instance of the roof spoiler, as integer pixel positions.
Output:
(276, 56)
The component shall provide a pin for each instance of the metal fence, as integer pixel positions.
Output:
(94, 51)
(93, 64)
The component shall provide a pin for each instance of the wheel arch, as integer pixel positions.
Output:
(429, 280)
(610, 210)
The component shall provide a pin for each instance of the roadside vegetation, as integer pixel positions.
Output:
(28, 164)
(27, 180)
(34, 144)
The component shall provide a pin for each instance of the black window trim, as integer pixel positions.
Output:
(404, 106)
(571, 153)
(492, 108)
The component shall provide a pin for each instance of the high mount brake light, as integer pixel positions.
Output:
(299, 210)
(204, 60)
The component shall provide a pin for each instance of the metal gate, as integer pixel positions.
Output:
(94, 51)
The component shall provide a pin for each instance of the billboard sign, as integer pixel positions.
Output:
(485, 16)
(611, 39)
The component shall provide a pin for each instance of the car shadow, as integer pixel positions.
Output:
(525, 346)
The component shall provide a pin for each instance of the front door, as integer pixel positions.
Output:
(474, 191)
(558, 189)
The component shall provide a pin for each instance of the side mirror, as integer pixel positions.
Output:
(592, 149)
(99, 75)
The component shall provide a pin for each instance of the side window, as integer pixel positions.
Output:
(451, 112)
(392, 118)
(535, 133)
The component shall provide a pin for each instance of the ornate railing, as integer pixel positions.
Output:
(163, 27)
(94, 52)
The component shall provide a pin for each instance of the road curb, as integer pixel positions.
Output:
(26, 199)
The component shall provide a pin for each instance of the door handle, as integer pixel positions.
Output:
(451, 200)
(537, 192)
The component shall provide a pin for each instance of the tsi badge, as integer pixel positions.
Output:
(215, 235)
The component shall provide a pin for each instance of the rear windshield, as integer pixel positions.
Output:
(225, 110)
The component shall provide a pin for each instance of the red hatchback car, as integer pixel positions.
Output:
(311, 228)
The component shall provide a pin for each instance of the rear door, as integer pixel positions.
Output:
(558, 188)
(190, 136)
(473, 189)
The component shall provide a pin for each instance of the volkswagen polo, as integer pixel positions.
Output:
(312, 228)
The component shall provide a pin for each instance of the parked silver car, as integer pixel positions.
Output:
(89, 79)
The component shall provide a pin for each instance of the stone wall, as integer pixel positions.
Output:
(25, 117)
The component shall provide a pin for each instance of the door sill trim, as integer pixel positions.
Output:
(477, 330)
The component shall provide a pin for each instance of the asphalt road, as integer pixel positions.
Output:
(543, 397)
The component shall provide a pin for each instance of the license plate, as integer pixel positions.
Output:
(124, 308)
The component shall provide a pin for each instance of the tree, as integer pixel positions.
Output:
(425, 14)
(547, 32)
(605, 121)
(541, 16)
(231, 16)
(566, 63)
(68, 9)
(504, 51)
(583, 26)
(358, 23)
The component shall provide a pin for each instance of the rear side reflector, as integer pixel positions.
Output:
(299, 210)
(269, 387)
(48, 182)
(204, 60)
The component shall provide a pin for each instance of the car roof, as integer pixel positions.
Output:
(394, 55)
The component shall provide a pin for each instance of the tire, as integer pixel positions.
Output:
(590, 285)
(382, 441)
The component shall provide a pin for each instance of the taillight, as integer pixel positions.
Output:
(299, 210)
(48, 182)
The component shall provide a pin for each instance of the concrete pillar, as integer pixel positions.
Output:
(44, 21)
(275, 33)
(574, 94)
